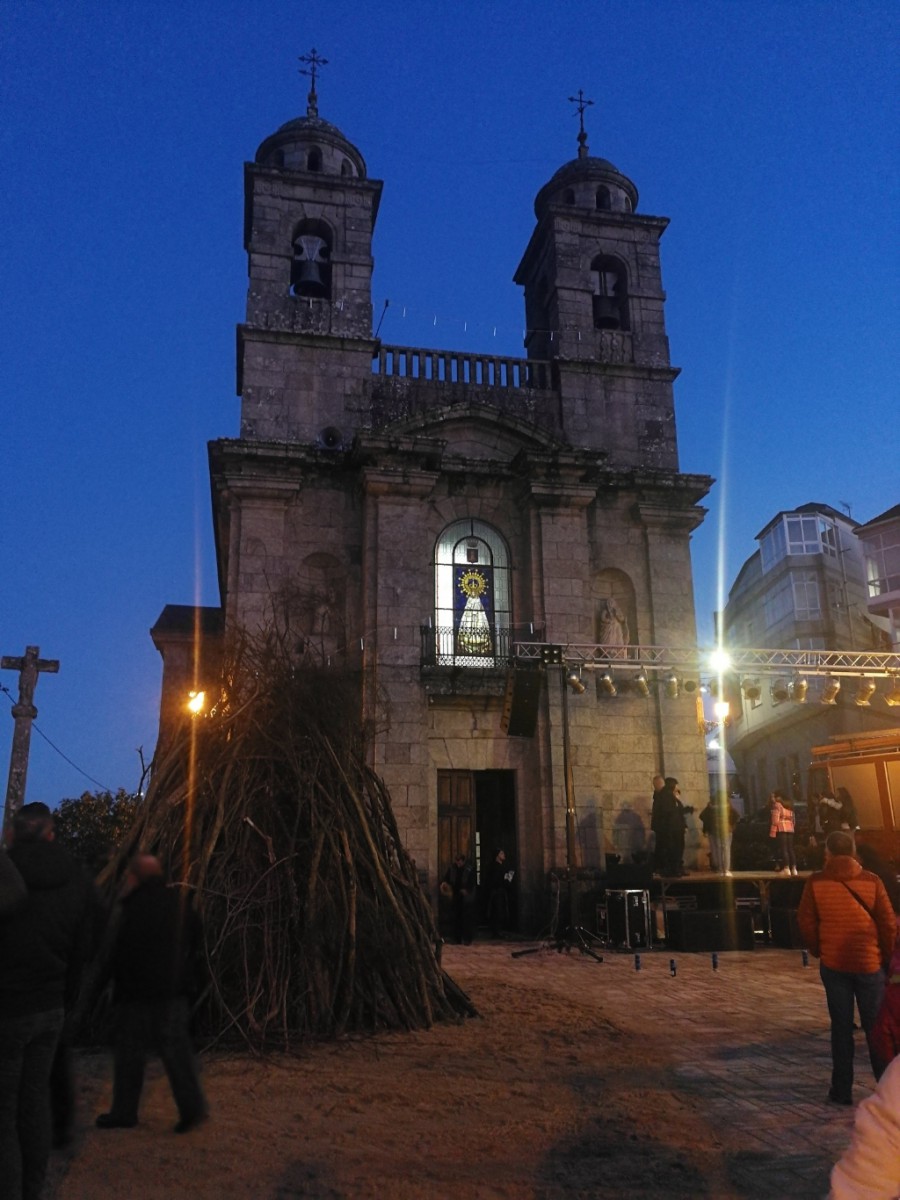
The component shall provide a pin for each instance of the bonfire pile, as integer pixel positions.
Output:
(315, 923)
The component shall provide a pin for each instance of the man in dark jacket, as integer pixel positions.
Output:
(44, 940)
(846, 920)
(152, 963)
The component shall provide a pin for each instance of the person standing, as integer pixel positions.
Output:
(460, 880)
(781, 827)
(846, 920)
(152, 968)
(44, 940)
(718, 820)
(664, 823)
(499, 876)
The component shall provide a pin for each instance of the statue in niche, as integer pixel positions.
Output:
(474, 633)
(613, 625)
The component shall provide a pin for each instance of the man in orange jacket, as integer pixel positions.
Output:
(846, 920)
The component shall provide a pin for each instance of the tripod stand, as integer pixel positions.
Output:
(567, 937)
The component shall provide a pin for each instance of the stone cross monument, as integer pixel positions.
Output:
(24, 712)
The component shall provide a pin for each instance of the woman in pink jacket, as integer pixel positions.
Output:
(781, 826)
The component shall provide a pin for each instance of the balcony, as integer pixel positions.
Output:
(447, 672)
(409, 382)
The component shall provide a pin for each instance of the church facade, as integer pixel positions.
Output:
(422, 514)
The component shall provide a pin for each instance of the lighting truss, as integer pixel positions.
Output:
(659, 659)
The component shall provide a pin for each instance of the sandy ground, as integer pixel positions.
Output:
(577, 1079)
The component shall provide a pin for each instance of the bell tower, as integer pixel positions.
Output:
(594, 308)
(305, 349)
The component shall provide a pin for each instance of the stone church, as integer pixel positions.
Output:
(431, 518)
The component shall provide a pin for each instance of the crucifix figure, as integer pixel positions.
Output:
(24, 712)
(581, 104)
(314, 61)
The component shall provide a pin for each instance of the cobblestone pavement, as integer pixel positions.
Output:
(745, 1049)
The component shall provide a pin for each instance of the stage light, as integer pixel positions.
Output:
(751, 689)
(672, 686)
(196, 702)
(779, 691)
(720, 661)
(608, 684)
(892, 697)
(641, 684)
(551, 655)
(721, 708)
(865, 689)
(830, 689)
(573, 679)
(690, 686)
(798, 689)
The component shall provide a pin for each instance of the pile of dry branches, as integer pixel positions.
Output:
(315, 923)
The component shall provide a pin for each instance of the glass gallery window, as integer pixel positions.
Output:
(882, 552)
(797, 533)
(471, 588)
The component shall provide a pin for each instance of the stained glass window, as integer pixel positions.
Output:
(471, 585)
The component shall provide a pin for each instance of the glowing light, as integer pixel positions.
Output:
(196, 702)
(721, 708)
(720, 660)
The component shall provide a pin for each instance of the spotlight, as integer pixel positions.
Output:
(196, 702)
(779, 691)
(690, 686)
(830, 689)
(865, 689)
(798, 689)
(893, 696)
(641, 684)
(721, 709)
(751, 689)
(720, 661)
(608, 684)
(551, 655)
(671, 685)
(573, 679)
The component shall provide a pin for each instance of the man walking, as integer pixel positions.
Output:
(44, 939)
(152, 963)
(846, 920)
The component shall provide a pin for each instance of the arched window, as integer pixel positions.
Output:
(604, 201)
(609, 281)
(314, 159)
(311, 260)
(346, 167)
(471, 589)
(569, 196)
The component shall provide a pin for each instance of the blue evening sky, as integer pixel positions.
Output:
(765, 131)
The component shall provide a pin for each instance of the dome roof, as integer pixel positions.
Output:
(311, 144)
(579, 181)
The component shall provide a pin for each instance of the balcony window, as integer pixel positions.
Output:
(882, 552)
(471, 583)
(797, 533)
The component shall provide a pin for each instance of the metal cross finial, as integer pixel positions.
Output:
(315, 62)
(581, 104)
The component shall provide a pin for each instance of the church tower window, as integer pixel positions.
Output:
(314, 159)
(311, 260)
(471, 585)
(604, 200)
(609, 280)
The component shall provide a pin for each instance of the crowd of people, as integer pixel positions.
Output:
(58, 947)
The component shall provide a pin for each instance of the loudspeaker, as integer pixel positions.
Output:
(698, 931)
(520, 704)
(784, 928)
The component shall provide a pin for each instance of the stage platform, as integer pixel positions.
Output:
(703, 910)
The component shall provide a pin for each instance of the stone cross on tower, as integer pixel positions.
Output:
(581, 104)
(314, 61)
(24, 712)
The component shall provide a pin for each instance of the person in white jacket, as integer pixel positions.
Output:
(869, 1168)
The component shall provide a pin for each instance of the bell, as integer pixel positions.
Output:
(310, 253)
(606, 313)
(308, 279)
